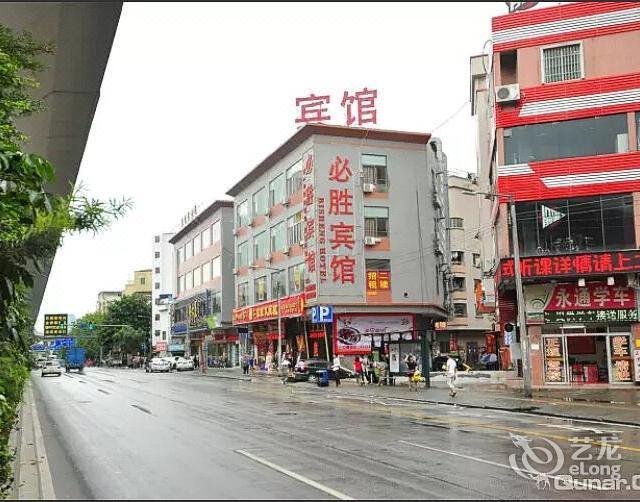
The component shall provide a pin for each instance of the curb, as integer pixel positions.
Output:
(228, 377)
(499, 408)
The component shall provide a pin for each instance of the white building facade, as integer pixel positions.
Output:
(162, 291)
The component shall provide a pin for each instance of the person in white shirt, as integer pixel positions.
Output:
(336, 369)
(452, 369)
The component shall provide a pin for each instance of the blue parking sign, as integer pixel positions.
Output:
(321, 314)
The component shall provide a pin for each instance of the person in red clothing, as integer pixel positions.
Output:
(357, 367)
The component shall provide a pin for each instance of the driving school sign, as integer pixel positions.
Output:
(352, 334)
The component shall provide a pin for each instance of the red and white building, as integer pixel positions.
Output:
(561, 129)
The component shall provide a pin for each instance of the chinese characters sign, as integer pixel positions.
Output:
(621, 360)
(310, 247)
(55, 324)
(358, 107)
(591, 296)
(378, 280)
(291, 306)
(553, 359)
(571, 265)
(579, 316)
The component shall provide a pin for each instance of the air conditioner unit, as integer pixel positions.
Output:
(234, 271)
(267, 258)
(285, 250)
(301, 243)
(285, 202)
(370, 241)
(507, 93)
(250, 224)
(436, 201)
(368, 187)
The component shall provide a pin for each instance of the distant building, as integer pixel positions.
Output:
(105, 298)
(163, 290)
(141, 283)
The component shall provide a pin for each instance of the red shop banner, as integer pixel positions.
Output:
(290, 306)
(591, 296)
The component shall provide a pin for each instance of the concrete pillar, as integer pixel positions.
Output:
(537, 356)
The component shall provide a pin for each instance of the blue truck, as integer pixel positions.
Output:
(76, 358)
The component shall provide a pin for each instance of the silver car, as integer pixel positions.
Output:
(159, 364)
(51, 368)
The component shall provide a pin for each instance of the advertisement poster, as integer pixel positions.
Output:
(553, 360)
(636, 357)
(394, 358)
(353, 334)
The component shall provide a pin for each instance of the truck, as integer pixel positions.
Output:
(76, 358)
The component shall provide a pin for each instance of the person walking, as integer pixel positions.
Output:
(411, 370)
(366, 375)
(382, 368)
(357, 368)
(336, 369)
(245, 364)
(452, 370)
(286, 365)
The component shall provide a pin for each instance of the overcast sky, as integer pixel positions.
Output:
(195, 95)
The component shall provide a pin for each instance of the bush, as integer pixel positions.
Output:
(14, 371)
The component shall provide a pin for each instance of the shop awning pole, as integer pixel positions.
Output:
(326, 342)
(306, 338)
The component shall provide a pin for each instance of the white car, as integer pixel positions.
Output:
(184, 364)
(51, 367)
(159, 364)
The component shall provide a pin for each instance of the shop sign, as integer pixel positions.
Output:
(592, 315)
(321, 314)
(176, 347)
(310, 247)
(636, 356)
(572, 265)
(591, 296)
(352, 334)
(621, 360)
(553, 360)
(316, 335)
(378, 280)
(290, 306)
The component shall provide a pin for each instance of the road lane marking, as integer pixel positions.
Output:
(46, 481)
(296, 476)
(138, 407)
(496, 464)
(104, 392)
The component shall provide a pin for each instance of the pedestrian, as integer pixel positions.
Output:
(382, 368)
(252, 363)
(452, 370)
(286, 364)
(195, 361)
(245, 364)
(411, 370)
(357, 367)
(365, 369)
(336, 369)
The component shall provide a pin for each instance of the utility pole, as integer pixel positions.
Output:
(522, 321)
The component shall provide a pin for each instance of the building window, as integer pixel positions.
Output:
(180, 255)
(376, 221)
(179, 285)
(164, 335)
(156, 254)
(278, 282)
(456, 222)
(243, 294)
(294, 229)
(277, 190)
(157, 270)
(260, 202)
(476, 260)
(638, 129)
(183, 283)
(569, 138)
(156, 238)
(215, 267)
(278, 237)
(243, 254)
(197, 277)
(260, 245)
(296, 279)
(156, 332)
(583, 224)
(206, 237)
(156, 285)
(260, 289)
(374, 168)
(216, 302)
(206, 272)
(457, 257)
(459, 310)
(215, 232)
(242, 214)
(157, 317)
(459, 284)
(375, 264)
(189, 281)
(197, 244)
(562, 63)
(294, 178)
(188, 250)
(142, 280)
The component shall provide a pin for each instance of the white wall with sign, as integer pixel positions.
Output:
(353, 333)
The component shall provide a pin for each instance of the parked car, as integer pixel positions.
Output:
(312, 366)
(51, 367)
(158, 364)
(183, 364)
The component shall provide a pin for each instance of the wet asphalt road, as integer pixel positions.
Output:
(125, 434)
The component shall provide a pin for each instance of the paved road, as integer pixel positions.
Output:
(127, 434)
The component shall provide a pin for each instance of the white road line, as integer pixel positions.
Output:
(496, 464)
(46, 481)
(310, 482)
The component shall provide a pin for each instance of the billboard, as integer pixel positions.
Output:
(55, 324)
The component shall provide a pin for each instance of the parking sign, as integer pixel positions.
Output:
(321, 314)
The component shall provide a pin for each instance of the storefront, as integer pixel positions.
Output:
(221, 348)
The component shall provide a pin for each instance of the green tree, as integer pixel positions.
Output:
(90, 339)
(133, 313)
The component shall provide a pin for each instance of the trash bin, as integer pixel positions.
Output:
(322, 378)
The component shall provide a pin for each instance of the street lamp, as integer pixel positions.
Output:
(526, 368)
(279, 270)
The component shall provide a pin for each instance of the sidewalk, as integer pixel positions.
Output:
(32, 477)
